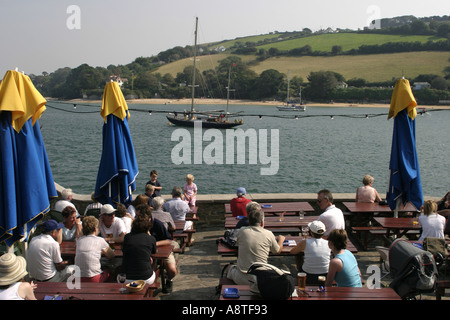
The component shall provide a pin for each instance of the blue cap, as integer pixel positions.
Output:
(241, 191)
(51, 225)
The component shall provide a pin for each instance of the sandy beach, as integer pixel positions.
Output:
(250, 102)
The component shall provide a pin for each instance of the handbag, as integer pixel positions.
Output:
(272, 282)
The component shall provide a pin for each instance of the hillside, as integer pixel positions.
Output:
(373, 68)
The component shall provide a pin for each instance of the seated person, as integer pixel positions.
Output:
(89, 251)
(254, 244)
(432, 224)
(110, 228)
(12, 272)
(140, 199)
(317, 254)
(138, 247)
(94, 205)
(332, 217)
(190, 191)
(178, 210)
(238, 204)
(162, 237)
(158, 213)
(443, 207)
(72, 225)
(122, 213)
(343, 268)
(367, 193)
(66, 196)
(44, 261)
(149, 191)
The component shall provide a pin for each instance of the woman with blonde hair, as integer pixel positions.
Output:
(367, 193)
(432, 223)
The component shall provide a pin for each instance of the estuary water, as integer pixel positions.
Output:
(326, 147)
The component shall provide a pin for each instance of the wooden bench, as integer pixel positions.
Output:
(363, 234)
(440, 290)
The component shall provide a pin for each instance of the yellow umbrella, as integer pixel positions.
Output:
(18, 95)
(114, 102)
(402, 98)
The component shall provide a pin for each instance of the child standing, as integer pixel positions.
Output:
(155, 183)
(190, 191)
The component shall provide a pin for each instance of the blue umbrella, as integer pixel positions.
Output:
(26, 180)
(116, 179)
(404, 180)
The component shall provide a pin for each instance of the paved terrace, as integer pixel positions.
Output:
(200, 266)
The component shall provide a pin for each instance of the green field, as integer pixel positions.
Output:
(347, 41)
(373, 68)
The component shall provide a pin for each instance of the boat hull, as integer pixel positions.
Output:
(291, 108)
(205, 124)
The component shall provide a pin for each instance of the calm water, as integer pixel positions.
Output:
(314, 153)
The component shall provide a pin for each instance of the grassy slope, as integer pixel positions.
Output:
(347, 41)
(377, 67)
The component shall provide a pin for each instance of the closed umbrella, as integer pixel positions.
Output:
(26, 180)
(404, 174)
(116, 179)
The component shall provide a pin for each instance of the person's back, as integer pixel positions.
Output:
(254, 244)
(349, 276)
(237, 206)
(42, 254)
(366, 194)
(317, 256)
(432, 226)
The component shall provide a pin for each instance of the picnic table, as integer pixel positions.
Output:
(330, 293)
(89, 291)
(226, 251)
(275, 208)
(275, 224)
(358, 210)
(398, 226)
(68, 250)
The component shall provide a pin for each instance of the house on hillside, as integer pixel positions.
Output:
(421, 85)
(120, 81)
(341, 85)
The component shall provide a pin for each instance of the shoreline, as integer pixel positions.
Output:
(204, 101)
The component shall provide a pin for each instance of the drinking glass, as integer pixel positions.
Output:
(301, 214)
(121, 278)
(305, 230)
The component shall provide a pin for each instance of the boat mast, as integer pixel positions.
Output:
(228, 92)
(288, 84)
(193, 73)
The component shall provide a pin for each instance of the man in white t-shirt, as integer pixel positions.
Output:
(332, 217)
(66, 196)
(44, 262)
(110, 228)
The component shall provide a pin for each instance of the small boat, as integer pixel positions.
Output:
(292, 105)
(209, 119)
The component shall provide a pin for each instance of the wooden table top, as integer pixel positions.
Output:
(330, 293)
(88, 291)
(365, 207)
(278, 207)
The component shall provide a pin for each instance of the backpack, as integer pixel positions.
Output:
(272, 282)
(229, 239)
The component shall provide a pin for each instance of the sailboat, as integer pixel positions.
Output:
(292, 105)
(209, 119)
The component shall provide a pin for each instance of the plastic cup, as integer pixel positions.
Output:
(301, 281)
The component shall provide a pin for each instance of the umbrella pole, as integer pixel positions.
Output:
(397, 206)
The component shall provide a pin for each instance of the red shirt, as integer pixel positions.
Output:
(238, 205)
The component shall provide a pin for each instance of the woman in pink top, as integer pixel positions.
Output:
(367, 193)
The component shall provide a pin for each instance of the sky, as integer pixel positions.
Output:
(44, 35)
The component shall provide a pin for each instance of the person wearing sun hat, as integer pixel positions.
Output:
(44, 261)
(12, 271)
(316, 254)
(238, 204)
